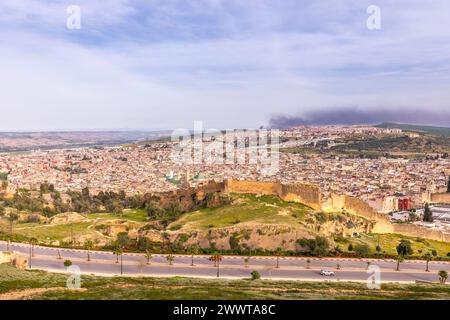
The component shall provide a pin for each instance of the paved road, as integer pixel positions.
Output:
(292, 268)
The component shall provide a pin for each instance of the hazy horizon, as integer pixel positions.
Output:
(231, 64)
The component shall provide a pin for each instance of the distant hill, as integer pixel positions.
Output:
(24, 141)
(439, 131)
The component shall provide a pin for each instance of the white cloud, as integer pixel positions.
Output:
(229, 63)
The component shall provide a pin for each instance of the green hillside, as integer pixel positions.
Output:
(440, 131)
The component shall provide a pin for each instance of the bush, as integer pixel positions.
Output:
(67, 263)
(362, 250)
(350, 247)
(255, 275)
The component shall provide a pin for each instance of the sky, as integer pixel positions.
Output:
(163, 64)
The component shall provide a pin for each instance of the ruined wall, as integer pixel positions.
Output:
(188, 199)
(254, 187)
(421, 232)
(303, 193)
(440, 197)
(297, 192)
(362, 208)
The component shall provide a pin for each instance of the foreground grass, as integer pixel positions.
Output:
(23, 282)
(389, 242)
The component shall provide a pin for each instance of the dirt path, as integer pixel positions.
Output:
(27, 293)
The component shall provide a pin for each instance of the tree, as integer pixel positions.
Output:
(12, 217)
(194, 251)
(170, 258)
(89, 245)
(33, 242)
(362, 250)
(255, 275)
(350, 247)
(400, 259)
(443, 276)
(117, 252)
(216, 257)
(122, 239)
(434, 253)
(308, 262)
(404, 248)
(148, 256)
(67, 263)
(427, 215)
(279, 251)
(427, 257)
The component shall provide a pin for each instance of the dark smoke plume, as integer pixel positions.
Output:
(359, 116)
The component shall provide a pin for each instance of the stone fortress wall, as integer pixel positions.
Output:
(311, 196)
(440, 198)
(307, 194)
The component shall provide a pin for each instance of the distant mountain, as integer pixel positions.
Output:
(439, 131)
(24, 141)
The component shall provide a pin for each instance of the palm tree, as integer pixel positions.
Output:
(428, 257)
(11, 218)
(170, 258)
(216, 257)
(148, 256)
(368, 264)
(117, 252)
(194, 251)
(338, 266)
(246, 261)
(89, 245)
(33, 242)
(400, 259)
(443, 276)
(308, 262)
(278, 257)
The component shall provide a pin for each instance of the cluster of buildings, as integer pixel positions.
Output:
(387, 184)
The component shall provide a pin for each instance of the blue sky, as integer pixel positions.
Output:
(164, 63)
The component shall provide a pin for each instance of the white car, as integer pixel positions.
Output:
(326, 273)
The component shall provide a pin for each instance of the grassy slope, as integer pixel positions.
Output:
(185, 288)
(389, 242)
(246, 208)
(47, 233)
(442, 131)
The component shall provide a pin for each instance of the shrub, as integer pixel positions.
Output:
(362, 250)
(255, 275)
(67, 263)
(350, 247)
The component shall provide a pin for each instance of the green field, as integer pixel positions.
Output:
(22, 284)
(245, 208)
(137, 215)
(389, 242)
